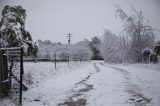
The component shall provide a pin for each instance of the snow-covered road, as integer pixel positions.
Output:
(93, 84)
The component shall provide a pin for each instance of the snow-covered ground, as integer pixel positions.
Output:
(91, 84)
(146, 77)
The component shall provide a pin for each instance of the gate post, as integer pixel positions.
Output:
(4, 86)
(21, 75)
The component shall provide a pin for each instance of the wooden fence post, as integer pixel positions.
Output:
(21, 75)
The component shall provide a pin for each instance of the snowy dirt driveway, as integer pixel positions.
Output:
(117, 85)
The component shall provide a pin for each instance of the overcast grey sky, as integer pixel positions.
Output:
(53, 19)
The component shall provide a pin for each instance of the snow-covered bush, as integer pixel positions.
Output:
(44, 51)
(79, 51)
(62, 52)
(157, 48)
(111, 48)
(146, 52)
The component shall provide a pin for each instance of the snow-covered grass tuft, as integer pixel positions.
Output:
(6, 102)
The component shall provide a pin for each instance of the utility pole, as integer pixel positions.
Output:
(69, 42)
(69, 38)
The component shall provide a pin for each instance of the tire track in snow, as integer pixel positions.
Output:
(136, 97)
(77, 98)
(97, 68)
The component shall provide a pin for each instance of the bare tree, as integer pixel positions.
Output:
(136, 31)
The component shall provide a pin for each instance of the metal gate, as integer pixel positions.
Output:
(12, 69)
